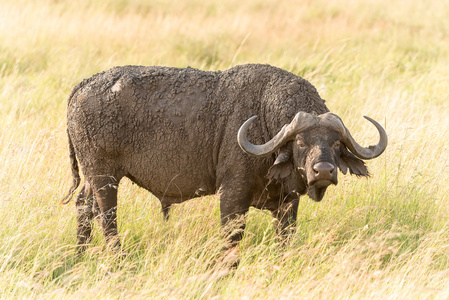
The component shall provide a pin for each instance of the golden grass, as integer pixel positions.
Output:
(385, 237)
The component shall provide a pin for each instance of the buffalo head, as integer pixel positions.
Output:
(311, 148)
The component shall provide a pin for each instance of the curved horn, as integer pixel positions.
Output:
(369, 152)
(286, 134)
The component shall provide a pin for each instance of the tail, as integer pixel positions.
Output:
(75, 173)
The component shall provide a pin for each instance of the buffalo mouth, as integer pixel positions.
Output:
(317, 190)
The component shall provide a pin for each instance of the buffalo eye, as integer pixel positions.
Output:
(336, 144)
(301, 144)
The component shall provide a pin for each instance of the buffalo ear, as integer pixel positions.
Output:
(282, 166)
(350, 161)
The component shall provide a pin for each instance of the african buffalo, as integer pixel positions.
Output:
(178, 133)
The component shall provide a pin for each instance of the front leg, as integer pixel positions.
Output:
(285, 218)
(234, 204)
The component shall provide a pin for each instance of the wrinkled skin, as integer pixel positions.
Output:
(173, 132)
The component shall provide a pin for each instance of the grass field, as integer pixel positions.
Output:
(386, 237)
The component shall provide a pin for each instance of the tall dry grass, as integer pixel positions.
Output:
(385, 237)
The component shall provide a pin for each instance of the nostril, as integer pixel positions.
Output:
(323, 168)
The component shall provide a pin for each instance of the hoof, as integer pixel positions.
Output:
(230, 259)
(81, 249)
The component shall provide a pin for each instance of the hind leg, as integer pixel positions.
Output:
(84, 215)
(105, 192)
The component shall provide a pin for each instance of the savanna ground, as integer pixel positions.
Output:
(382, 237)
